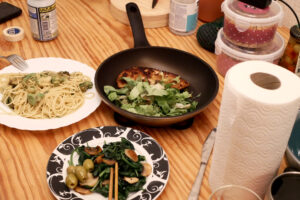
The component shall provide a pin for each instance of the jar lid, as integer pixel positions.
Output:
(268, 53)
(244, 12)
(295, 32)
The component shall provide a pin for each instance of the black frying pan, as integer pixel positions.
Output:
(199, 74)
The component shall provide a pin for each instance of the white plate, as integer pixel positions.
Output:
(144, 145)
(52, 64)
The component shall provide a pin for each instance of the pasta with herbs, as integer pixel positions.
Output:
(44, 95)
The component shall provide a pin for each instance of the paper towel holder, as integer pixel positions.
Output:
(265, 80)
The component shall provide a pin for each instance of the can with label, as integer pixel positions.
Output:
(43, 21)
(183, 16)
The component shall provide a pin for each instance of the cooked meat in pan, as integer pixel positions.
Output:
(152, 75)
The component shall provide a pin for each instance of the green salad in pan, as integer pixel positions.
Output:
(159, 99)
(96, 165)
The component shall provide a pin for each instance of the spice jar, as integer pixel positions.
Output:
(43, 21)
(183, 16)
(291, 57)
(210, 10)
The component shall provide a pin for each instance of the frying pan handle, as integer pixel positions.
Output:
(137, 26)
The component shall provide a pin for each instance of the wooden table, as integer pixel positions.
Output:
(89, 34)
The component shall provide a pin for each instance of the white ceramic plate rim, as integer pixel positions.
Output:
(52, 64)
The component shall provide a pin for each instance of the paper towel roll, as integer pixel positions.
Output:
(258, 109)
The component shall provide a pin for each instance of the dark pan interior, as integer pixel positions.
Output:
(200, 75)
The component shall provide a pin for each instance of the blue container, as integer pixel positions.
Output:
(293, 148)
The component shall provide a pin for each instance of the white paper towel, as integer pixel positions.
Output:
(258, 109)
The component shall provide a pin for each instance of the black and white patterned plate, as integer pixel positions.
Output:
(143, 144)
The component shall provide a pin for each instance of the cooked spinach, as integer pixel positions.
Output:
(128, 168)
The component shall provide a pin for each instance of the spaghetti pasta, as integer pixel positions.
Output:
(44, 95)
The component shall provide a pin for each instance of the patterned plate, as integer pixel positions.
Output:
(143, 144)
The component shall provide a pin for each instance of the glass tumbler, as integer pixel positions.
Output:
(233, 192)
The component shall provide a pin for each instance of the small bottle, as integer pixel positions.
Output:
(183, 16)
(43, 21)
(210, 10)
(291, 57)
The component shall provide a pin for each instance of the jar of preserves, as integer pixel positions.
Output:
(291, 57)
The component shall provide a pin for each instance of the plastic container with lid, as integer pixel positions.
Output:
(248, 26)
(229, 54)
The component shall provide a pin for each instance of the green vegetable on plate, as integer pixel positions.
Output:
(93, 170)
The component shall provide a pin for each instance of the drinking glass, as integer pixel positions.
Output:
(233, 192)
(284, 187)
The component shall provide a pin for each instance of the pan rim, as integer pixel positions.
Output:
(145, 117)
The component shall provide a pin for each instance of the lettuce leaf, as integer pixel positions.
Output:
(159, 99)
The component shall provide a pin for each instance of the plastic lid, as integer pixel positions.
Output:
(267, 53)
(241, 11)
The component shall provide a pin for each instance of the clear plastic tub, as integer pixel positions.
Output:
(229, 54)
(248, 26)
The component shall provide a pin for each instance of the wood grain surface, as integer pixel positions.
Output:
(152, 17)
(89, 34)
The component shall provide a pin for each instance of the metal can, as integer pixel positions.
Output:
(43, 20)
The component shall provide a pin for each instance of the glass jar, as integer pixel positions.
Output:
(183, 16)
(210, 10)
(291, 57)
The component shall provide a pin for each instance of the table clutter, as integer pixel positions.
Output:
(16, 61)
(229, 54)
(284, 186)
(43, 20)
(202, 79)
(183, 16)
(205, 155)
(153, 17)
(259, 4)
(107, 150)
(233, 192)
(207, 34)
(248, 26)
(291, 57)
(151, 153)
(8, 11)
(250, 143)
(210, 10)
(293, 148)
(249, 33)
(13, 34)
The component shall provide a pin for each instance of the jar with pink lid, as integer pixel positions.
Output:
(248, 26)
(229, 54)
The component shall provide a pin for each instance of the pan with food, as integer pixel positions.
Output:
(155, 68)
